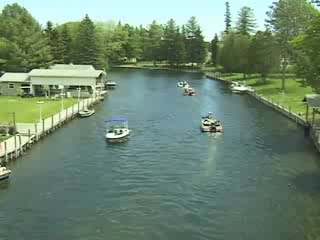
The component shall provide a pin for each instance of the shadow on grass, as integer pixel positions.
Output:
(260, 83)
(302, 83)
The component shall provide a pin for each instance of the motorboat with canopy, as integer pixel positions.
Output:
(118, 131)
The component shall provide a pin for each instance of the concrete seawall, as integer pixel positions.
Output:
(30, 133)
(314, 131)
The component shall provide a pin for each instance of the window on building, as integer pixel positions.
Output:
(11, 85)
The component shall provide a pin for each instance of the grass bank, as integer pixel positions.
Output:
(27, 110)
(295, 89)
(3, 138)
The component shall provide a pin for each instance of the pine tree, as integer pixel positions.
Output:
(214, 50)
(67, 44)
(246, 22)
(180, 50)
(55, 43)
(196, 50)
(38, 54)
(227, 18)
(88, 50)
(153, 48)
(201, 52)
(173, 44)
(169, 41)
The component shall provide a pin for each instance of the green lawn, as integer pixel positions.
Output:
(295, 90)
(2, 138)
(27, 110)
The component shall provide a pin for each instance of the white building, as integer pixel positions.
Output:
(70, 78)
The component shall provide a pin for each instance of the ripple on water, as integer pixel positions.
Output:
(169, 181)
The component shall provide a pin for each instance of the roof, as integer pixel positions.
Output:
(313, 100)
(14, 77)
(65, 73)
(71, 66)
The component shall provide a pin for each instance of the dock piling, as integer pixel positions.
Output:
(36, 131)
(5, 151)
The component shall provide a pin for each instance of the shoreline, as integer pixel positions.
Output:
(30, 133)
(158, 68)
(314, 131)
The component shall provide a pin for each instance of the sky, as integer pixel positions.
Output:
(209, 13)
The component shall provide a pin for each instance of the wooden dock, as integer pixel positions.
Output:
(29, 133)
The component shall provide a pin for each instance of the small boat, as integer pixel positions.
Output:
(86, 113)
(189, 92)
(240, 89)
(111, 84)
(183, 84)
(4, 173)
(237, 87)
(209, 124)
(119, 131)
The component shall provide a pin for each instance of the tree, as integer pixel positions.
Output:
(115, 43)
(234, 53)
(308, 46)
(10, 56)
(153, 48)
(67, 44)
(214, 50)
(287, 19)
(227, 18)
(24, 34)
(241, 54)
(180, 50)
(195, 46)
(263, 53)
(38, 54)
(89, 51)
(246, 23)
(132, 46)
(173, 44)
(227, 52)
(55, 43)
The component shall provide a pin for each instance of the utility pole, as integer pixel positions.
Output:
(14, 132)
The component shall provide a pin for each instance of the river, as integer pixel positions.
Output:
(260, 179)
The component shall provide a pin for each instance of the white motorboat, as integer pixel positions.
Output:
(189, 92)
(119, 131)
(240, 89)
(4, 173)
(237, 87)
(209, 124)
(183, 84)
(86, 113)
(111, 84)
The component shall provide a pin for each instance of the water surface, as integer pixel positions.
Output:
(260, 179)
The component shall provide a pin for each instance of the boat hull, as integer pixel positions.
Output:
(4, 176)
(86, 114)
(111, 137)
(211, 129)
(238, 91)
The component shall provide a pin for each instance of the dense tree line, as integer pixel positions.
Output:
(291, 38)
(24, 44)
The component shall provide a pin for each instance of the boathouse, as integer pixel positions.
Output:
(13, 84)
(72, 80)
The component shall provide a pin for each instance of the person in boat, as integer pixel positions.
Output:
(213, 127)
